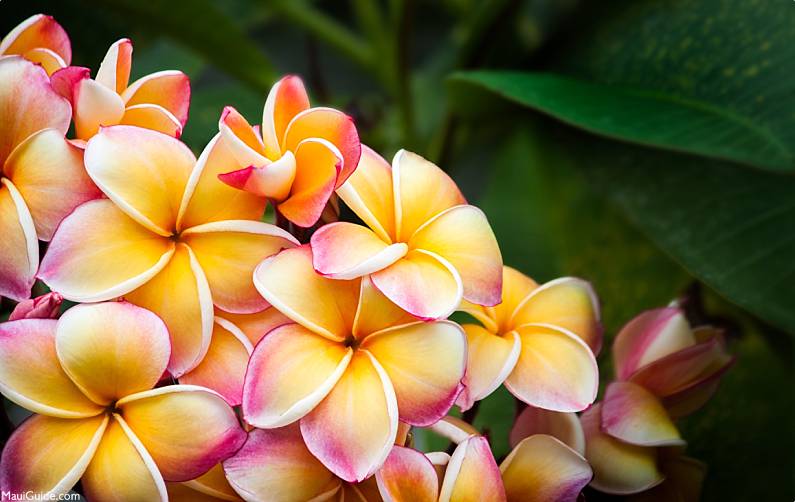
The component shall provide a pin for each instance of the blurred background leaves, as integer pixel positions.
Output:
(647, 146)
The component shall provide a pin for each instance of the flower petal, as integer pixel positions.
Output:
(291, 370)
(650, 336)
(209, 199)
(472, 474)
(407, 476)
(228, 252)
(421, 191)
(224, 366)
(95, 106)
(112, 349)
(454, 429)
(272, 180)
(286, 99)
(241, 139)
(425, 363)
(344, 250)
(289, 283)
(634, 415)
(332, 126)
(255, 326)
(353, 429)
(201, 430)
(46, 306)
(569, 303)
(153, 117)
(211, 486)
(317, 164)
(114, 71)
(19, 246)
(144, 172)
(31, 375)
(49, 455)
(375, 312)
(462, 236)
(619, 468)
(490, 359)
(65, 81)
(28, 103)
(49, 174)
(368, 192)
(422, 283)
(555, 371)
(38, 31)
(541, 468)
(122, 469)
(169, 89)
(49, 60)
(562, 426)
(99, 253)
(275, 465)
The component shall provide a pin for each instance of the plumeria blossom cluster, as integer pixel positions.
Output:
(207, 354)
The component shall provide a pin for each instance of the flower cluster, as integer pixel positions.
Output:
(214, 356)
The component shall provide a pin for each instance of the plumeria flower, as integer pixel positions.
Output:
(299, 155)
(35, 163)
(349, 367)
(156, 101)
(39, 39)
(209, 487)
(540, 341)
(42, 307)
(89, 379)
(170, 237)
(425, 247)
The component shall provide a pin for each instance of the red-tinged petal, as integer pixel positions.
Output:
(28, 103)
(272, 180)
(180, 295)
(425, 363)
(650, 336)
(291, 370)
(634, 415)
(562, 426)
(619, 468)
(19, 246)
(46, 306)
(31, 375)
(289, 283)
(542, 468)
(332, 126)
(368, 192)
(407, 476)
(344, 250)
(114, 71)
(275, 465)
(317, 164)
(122, 469)
(490, 359)
(286, 99)
(47, 455)
(224, 366)
(375, 312)
(241, 139)
(201, 430)
(421, 191)
(169, 89)
(228, 252)
(47, 164)
(144, 172)
(38, 31)
(422, 283)
(49, 60)
(555, 371)
(99, 253)
(569, 303)
(255, 326)
(211, 486)
(95, 106)
(462, 236)
(353, 429)
(65, 80)
(209, 199)
(153, 117)
(113, 349)
(472, 474)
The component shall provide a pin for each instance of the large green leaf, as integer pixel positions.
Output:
(643, 116)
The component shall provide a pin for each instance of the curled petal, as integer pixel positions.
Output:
(634, 415)
(38, 31)
(49, 60)
(114, 71)
(272, 180)
(65, 81)
(46, 306)
(472, 474)
(169, 89)
(317, 164)
(407, 476)
(19, 246)
(241, 139)
(454, 429)
(344, 250)
(95, 106)
(490, 359)
(286, 99)
(368, 192)
(153, 117)
(562, 426)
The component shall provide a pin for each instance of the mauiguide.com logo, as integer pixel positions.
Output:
(31, 495)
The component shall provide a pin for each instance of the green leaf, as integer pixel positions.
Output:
(643, 116)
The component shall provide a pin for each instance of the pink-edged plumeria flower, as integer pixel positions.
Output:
(89, 379)
(211, 486)
(39, 39)
(170, 237)
(540, 341)
(349, 367)
(157, 101)
(42, 307)
(425, 247)
(299, 155)
(36, 161)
